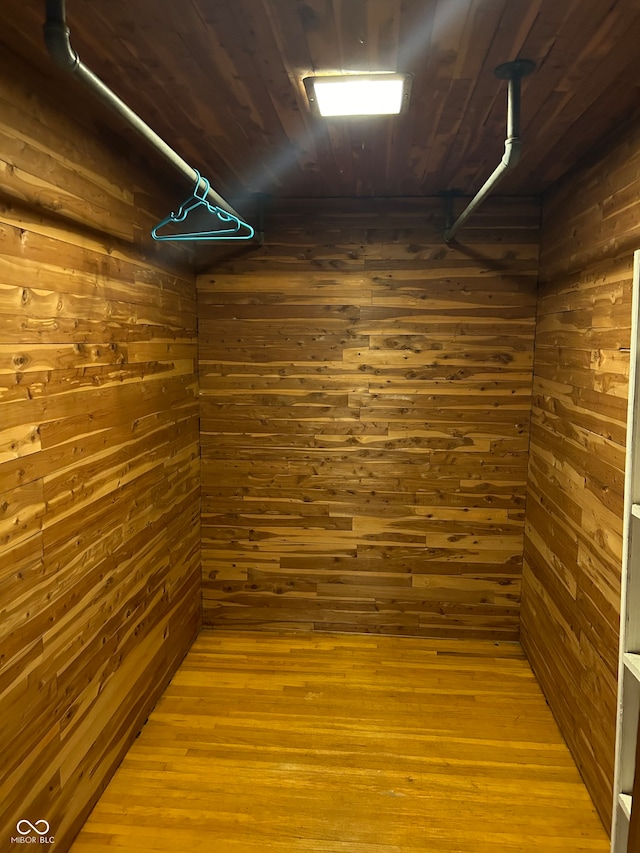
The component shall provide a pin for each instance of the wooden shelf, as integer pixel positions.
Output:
(624, 801)
(632, 664)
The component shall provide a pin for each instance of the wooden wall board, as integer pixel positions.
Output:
(365, 397)
(99, 459)
(573, 531)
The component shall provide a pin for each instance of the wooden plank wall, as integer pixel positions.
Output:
(365, 405)
(573, 544)
(99, 463)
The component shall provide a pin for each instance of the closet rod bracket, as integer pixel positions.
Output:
(513, 72)
(57, 39)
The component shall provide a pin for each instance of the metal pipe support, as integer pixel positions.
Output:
(57, 38)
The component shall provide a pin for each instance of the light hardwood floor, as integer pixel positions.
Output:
(347, 744)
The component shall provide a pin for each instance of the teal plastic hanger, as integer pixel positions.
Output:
(224, 225)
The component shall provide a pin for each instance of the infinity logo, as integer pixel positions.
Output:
(32, 827)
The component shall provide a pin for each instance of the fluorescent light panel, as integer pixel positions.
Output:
(375, 94)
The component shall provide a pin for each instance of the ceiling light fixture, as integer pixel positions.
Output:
(358, 94)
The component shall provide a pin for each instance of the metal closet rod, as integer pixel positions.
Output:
(57, 38)
(513, 72)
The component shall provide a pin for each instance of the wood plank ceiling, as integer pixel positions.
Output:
(221, 82)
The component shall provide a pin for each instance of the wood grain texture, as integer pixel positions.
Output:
(365, 402)
(223, 81)
(339, 744)
(99, 465)
(573, 542)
